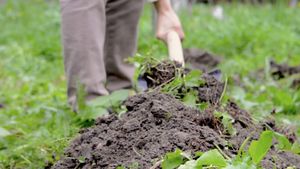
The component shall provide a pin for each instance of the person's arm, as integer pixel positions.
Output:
(167, 20)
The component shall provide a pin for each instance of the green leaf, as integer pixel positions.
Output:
(283, 142)
(173, 86)
(110, 100)
(190, 98)
(227, 122)
(193, 78)
(202, 106)
(189, 165)
(199, 153)
(172, 160)
(296, 148)
(212, 157)
(259, 148)
(4, 132)
(241, 164)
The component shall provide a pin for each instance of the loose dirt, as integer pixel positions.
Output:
(211, 90)
(154, 124)
(157, 123)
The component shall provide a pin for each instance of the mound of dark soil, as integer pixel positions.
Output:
(198, 59)
(156, 124)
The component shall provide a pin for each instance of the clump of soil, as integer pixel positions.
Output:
(158, 123)
(198, 59)
(161, 73)
(211, 90)
(280, 71)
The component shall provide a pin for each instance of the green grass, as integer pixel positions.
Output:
(36, 120)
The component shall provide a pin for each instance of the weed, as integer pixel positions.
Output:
(249, 159)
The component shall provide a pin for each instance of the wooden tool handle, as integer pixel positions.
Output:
(174, 47)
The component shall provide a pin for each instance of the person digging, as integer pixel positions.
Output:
(97, 37)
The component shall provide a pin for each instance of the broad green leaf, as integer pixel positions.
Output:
(283, 142)
(4, 132)
(190, 98)
(173, 85)
(202, 106)
(92, 113)
(172, 160)
(110, 100)
(199, 153)
(189, 165)
(290, 167)
(193, 78)
(212, 157)
(259, 148)
(243, 164)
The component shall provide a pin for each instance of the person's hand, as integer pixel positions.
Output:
(167, 21)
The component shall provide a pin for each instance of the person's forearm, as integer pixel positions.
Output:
(163, 6)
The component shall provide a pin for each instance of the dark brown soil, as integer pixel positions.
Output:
(211, 90)
(280, 71)
(296, 84)
(156, 124)
(161, 73)
(198, 59)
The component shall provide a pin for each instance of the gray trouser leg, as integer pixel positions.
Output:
(97, 36)
(121, 39)
(83, 35)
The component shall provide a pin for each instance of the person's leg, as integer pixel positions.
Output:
(83, 35)
(121, 39)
